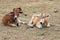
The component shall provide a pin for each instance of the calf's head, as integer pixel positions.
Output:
(42, 21)
(18, 11)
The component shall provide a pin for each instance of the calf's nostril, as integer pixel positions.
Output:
(15, 18)
(25, 14)
(40, 22)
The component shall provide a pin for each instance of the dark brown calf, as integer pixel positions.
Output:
(10, 19)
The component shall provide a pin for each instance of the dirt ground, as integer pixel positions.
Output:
(30, 7)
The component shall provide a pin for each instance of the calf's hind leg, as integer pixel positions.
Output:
(11, 24)
(47, 22)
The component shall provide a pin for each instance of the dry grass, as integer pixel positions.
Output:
(21, 33)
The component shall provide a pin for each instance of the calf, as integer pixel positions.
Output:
(39, 20)
(11, 19)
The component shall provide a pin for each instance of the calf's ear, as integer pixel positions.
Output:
(13, 9)
(19, 8)
(47, 15)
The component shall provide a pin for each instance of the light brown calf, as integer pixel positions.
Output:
(39, 20)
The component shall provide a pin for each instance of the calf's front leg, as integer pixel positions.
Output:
(20, 22)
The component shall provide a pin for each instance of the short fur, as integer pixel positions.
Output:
(36, 19)
(9, 19)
